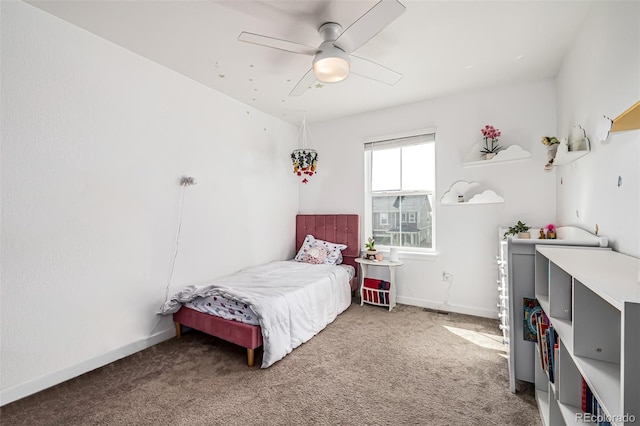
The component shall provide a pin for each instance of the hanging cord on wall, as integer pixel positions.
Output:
(185, 182)
(176, 246)
(445, 302)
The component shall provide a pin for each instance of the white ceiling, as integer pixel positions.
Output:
(440, 47)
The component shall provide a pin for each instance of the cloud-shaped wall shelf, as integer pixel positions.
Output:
(576, 146)
(486, 197)
(471, 193)
(510, 153)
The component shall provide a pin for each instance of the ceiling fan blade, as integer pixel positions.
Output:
(277, 43)
(305, 82)
(369, 24)
(366, 68)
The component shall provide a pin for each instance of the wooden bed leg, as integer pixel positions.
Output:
(250, 357)
(178, 330)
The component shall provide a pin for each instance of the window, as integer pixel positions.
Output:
(409, 216)
(399, 191)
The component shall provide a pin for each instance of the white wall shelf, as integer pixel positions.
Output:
(592, 298)
(508, 154)
(572, 148)
(471, 193)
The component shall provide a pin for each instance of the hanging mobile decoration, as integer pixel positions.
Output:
(305, 160)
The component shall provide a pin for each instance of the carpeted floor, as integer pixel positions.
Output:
(369, 367)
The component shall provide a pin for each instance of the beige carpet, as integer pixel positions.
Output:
(369, 367)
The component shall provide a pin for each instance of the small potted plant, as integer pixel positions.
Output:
(520, 229)
(371, 249)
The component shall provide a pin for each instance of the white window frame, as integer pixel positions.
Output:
(390, 141)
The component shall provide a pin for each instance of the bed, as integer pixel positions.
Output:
(327, 287)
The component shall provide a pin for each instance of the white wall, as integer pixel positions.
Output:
(467, 235)
(601, 76)
(95, 138)
(94, 142)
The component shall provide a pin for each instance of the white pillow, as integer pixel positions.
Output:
(320, 252)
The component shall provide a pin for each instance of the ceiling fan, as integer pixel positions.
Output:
(332, 60)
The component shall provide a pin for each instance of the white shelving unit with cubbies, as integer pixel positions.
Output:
(516, 262)
(592, 299)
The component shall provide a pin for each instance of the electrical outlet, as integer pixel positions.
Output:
(447, 276)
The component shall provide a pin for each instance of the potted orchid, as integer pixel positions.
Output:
(491, 147)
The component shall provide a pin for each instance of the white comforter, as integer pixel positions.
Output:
(293, 301)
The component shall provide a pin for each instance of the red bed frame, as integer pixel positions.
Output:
(337, 228)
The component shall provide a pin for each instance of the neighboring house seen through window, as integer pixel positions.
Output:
(399, 191)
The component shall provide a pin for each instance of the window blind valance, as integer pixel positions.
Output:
(416, 138)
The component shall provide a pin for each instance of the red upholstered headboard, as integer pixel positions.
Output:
(335, 228)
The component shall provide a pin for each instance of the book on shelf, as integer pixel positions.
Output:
(530, 307)
(548, 345)
(556, 351)
(551, 344)
(542, 324)
(590, 405)
(543, 347)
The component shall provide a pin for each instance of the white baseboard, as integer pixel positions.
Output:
(437, 305)
(36, 385)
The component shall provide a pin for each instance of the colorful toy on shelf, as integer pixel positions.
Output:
(551, 232)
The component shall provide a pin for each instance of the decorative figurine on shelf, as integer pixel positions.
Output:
(371, 249)
(551, 142)
(551, 232)
(541, 236)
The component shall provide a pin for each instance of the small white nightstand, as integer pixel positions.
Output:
(364, 264)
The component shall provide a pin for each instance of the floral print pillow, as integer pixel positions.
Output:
(320, 252)
(316, 255)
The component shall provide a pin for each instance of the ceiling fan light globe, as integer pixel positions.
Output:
(331, 69)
